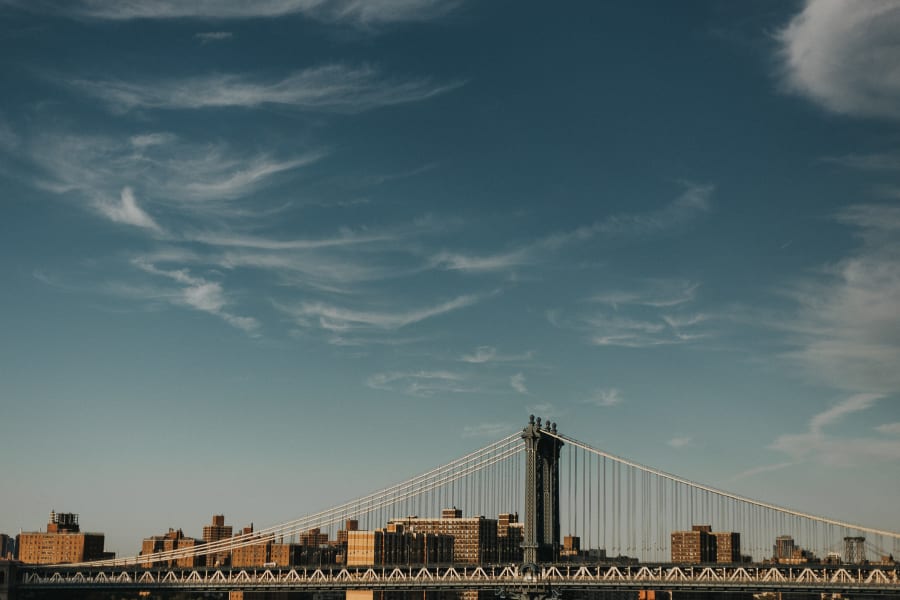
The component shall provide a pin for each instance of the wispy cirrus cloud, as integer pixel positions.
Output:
(545, 410)
(605, 398)
(127, 211)
(357, 12)
(455, 261)
(487, 430)
(329, 88)
(490, 354)
(612, 330)
(420, 383)
(206, 37)
(168, 174)
(753, 471)
(831, 448)
(517, 382)
(201, 294)
(650, 312)
(845, 331)
(338, 319)
(237, 182)
(657, 293)
(888, 428)
(867, 162)
(694, 201)
(844, 56)
(680, 442)
(344, 238)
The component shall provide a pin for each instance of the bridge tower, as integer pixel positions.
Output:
(8, 579)
(541, 492)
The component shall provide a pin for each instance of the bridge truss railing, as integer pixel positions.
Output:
(822, 578)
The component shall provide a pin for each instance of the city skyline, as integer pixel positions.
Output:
(258, 261)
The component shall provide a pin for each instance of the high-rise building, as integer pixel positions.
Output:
(215, 532)
(173, 540)
(63, 542)
(695, 546)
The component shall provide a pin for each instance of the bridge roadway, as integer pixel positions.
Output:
(502, 580)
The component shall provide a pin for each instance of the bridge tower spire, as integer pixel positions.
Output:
(541, 492)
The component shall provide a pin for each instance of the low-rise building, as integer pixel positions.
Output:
(63, 542)
(695, 546)
(214, 532)
(474, 538)
(728, 546)
(393, 545)
(173, 540)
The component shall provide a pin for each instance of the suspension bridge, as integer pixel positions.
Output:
(593, 522)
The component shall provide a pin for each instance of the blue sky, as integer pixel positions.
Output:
(258, 260)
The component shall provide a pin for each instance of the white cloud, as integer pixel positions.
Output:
(489, 354)
(237, 182)
(628, 333)
(637, 319)
(680, 442)
(517, 382)
(819, 445)
(345, 238)
(683, 322)
(497, 262)
(482, 354)
(206, 37)
(657, 293)
(694, 201)
(488, 430)
(846, 329)
(337, 319)
(357, 12)
(9, 140)
(844, 56)
(605, 397)
(420, 383)
(127, 211)
(165, 172)
(330, 88)
(837, 412)
(888, 428)
(544, 409)
(201, 294)
(762, 469)
(152, 139)
(867, 162)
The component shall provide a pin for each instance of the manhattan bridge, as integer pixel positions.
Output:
(621, 513)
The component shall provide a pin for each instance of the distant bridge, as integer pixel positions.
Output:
(612, 506)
